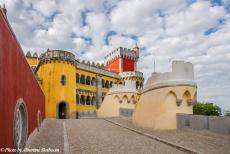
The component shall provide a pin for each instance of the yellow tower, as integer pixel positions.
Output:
(56, 71)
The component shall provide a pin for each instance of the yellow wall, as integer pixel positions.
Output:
(90, 88)
(157, 108)
(85, 107)
(50, 74)
(113, 102)
(32, 61)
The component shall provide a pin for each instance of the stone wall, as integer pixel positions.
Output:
(86, 113)
(183, 120)
(198, 122)
(126, 112)
(212, 123)
(219, 124)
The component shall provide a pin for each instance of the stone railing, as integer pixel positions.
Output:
(129, 86)
(131, 74)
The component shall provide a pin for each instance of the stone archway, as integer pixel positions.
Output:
(62, 110)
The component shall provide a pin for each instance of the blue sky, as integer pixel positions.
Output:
(195, 31)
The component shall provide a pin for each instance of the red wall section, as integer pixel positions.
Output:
(16, 81)
(128, 65)
(114, 66)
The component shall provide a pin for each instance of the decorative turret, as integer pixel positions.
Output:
(122, 60)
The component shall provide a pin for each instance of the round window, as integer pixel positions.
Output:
(20, 125)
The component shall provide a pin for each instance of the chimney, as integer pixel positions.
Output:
(4, 9)
(136, 50)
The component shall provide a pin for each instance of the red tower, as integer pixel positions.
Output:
(122, 60)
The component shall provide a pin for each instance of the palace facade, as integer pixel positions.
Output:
(72, 86)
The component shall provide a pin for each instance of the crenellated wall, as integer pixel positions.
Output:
(182, 73)
(165, 95)
(118, 97)
(122, 59)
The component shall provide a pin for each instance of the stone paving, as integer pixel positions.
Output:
(202, 141)
(101, 136)
(50, 136)
(95, 136)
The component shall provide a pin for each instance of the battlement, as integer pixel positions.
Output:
(58, 55)
(29, 55)
(128, 87)
(96, 68)
(121, 52)
(93, 64)
(182, 73)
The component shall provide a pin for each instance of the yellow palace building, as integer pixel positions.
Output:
(72, 86)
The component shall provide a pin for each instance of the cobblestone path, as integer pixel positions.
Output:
(202, 141)
(94, 136)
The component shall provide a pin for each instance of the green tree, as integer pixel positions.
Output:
(228, 114)
(206, 109)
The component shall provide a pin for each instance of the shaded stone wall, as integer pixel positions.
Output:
(126, 112)
(213, 123)
(219, 124)
(89, 113)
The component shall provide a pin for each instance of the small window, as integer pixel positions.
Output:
(63, 80)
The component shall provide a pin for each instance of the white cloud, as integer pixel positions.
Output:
(164, 30)
(196, 18)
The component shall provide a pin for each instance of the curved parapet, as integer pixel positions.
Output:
(182, 74)
(118, 97)
(57, 55)
(165, 95)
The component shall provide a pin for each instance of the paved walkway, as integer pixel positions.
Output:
(95, 136)
(74, 136)
(202, 141)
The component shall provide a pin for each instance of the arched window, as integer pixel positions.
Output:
(107, 84)
(88, 100)
(77, 78)
(137, 85)
(103, 83)
(111, 84)
(77, 99)
(63, 80)
(82, 100)
(82, 80)
(93, 101)
(141, 85)
(88, 80)
(93, 81)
